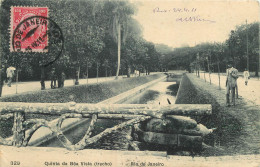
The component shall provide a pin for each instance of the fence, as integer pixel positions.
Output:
(132, 113)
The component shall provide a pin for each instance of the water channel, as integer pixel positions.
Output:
(162, 93)
(225, 140)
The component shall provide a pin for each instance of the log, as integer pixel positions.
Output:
(117, 127)
(6, 117)
(113, 116)
(194, 132)
(133, 109)
(178, 140)
(186, 141)
(182, 121)
(171, 124)
(157, 125)
(18, 129)
(160, 138)
(182, 126)
(199, 130)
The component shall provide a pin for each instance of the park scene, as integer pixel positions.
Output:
(148, 83)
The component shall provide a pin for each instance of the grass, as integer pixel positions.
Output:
(92, 93)
(237, 131)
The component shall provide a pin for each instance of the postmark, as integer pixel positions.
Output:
(29, 34)
(37, 33)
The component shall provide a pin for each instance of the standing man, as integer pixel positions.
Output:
(10, 74)
(61, 80)
(246, 76)
(53, 78)
(231, 83)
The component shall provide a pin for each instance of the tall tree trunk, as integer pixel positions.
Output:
(198, 71)
(256, 70)
(196, 68)
(1, 69)
(128, 70)
(77, 76)
(1, 77)
(106, 71)
(118, 49)
(247, 55)
(122, 70)
(1, 72)
(218, 75)
(42, 78)
(204, 70)
(209, 71)
(256, 67)
(97, 71)
(198, 65)
(87, 72)
(16, 80)
(258, 53)
(1, 82)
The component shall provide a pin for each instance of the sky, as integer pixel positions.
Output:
(178, 23)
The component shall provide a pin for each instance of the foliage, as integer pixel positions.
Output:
(89, 30)
(234, 49)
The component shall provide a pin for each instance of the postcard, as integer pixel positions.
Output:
(135, 83)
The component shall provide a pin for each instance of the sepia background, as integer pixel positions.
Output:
(158, 53)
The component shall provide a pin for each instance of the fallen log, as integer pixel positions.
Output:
(178, 125)
(199, 130)
(170, 124)
(193, 142)
(133, 109)
(182, 121)
(178, 140)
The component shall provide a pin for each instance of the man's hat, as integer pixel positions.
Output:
(229, 63)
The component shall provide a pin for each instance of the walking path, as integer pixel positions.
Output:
(250, 92)
(35, 85)
(22, 87)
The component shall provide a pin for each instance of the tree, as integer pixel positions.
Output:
(242, 40)
(130, 51)
(122, 12)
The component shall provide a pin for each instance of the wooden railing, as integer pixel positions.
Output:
(132, 113)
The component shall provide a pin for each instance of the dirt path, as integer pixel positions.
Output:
(29, 86)
(21, 87)
(238, 126)
(250, 92)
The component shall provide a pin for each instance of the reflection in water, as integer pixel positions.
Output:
(157, 94)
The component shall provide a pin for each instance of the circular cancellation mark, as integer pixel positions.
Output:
(39, 34)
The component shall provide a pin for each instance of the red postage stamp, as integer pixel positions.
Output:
(29, 29)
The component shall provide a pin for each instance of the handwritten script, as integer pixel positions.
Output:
(193, 14)
(174, 10)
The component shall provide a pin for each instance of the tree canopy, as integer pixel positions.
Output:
(89, 30)
(234, 50)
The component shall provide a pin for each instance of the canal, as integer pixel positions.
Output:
(162, 93)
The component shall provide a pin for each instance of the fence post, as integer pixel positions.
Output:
(18, 129)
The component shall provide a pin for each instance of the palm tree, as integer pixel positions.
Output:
(119, 26)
